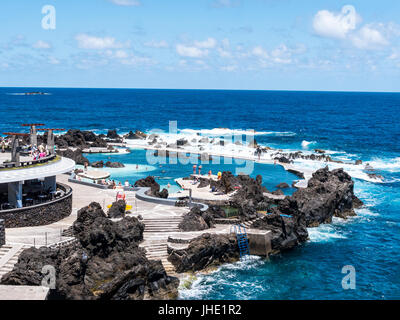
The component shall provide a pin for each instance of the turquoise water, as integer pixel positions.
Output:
(351, 125)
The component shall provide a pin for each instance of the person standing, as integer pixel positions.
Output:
(200, 167)
(194, 169)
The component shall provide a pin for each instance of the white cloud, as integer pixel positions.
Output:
(206, 44)
(191, 51)
(336, 25)
(41, 45)
(121, 54)
(134, 3)
(368, 38)
(157, 44)
(91, 42)
(260, 52)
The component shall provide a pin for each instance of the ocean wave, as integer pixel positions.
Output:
(227, 131)
(325, 233)
(305, 143)
(225, 275)
(391, 165)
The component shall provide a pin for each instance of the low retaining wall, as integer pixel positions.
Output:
(2, 233)
(141, 194)
(42, 214)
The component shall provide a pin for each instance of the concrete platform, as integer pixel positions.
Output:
(23, 293)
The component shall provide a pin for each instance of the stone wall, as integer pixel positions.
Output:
(2, 233)
(39, 215)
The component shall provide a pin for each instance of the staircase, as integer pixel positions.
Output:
(243, 241)
(9, 257)
(155, 237)
(161, 225)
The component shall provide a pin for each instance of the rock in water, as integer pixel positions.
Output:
(328, 194)
(105, 263)
(110, 164)
(204, 251)
(117, 209)
(112, 134)
(283, 185)
(97, 164)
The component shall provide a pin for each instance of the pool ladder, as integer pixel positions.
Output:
(242, 239)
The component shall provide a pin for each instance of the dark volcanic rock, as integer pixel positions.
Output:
(151, 183)
(204, 251)
(283, 185)
(328, 194)
(80, 139)
(117, 209)
(76, 155)
(110, 164)
(286, 232)
(137, 135)
(193, 221)
(197, 220)
(97, 164)
(278, 192)
(105, 263)
(112, 134)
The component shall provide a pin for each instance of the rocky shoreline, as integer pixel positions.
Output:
(105, 263)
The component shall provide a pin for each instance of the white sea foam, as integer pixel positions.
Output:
(226, 131)
(224, 275)
(325, 233)
(391, 165)
(305, 143)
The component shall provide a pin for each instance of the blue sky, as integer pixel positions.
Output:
(204, 44)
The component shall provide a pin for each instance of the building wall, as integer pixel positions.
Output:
(39, 215)
(2, 233)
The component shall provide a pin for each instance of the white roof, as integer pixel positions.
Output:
(94, 174)
(43, 171)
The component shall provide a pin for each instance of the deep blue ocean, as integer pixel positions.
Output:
(350, 125)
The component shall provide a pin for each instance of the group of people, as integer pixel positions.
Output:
(200, 167)
(4, 143)
(39, 152)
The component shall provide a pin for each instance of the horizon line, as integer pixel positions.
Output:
(199, 89)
